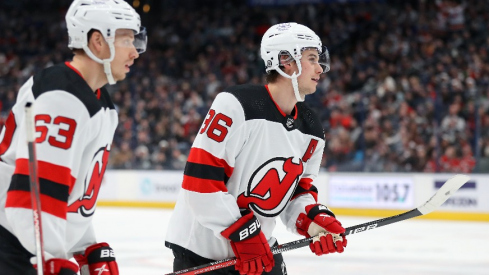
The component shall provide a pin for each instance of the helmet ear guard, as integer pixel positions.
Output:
(284, 61)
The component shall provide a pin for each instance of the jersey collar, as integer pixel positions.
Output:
(97, 92)
(278, 108)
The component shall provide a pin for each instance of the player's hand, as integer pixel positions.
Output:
(99, 259)
(319, 222)
(57, 266)
(250, 246)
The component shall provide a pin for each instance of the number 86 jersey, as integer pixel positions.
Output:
(250, 155)
(74, 130)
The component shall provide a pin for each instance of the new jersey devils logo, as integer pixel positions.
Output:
(271, 186)
(86, 204)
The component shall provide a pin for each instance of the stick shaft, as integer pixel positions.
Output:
(34, 188)
(448, 189)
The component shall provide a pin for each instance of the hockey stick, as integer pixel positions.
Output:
(448, 189)
(34, 185)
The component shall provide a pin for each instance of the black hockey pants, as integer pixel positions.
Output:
(185, 258)
(14, 258)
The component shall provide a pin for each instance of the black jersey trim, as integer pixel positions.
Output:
(301, 190)
(203, 171)
(258, 104)
(63, 78)
(46, 187)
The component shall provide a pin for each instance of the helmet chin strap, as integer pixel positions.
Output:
(108, 72)
(295, 83)
(105, 62)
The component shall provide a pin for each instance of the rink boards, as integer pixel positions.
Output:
(357, 194)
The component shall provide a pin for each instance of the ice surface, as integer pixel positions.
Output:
(417, 246)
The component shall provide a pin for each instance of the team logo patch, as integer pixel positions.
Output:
(283, 26)
(85, 205)
(100, 2)
(271, 186)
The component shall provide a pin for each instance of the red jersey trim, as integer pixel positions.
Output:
(278, 108)
(201, 156)
(48, 171)
(22, 199)
(68, 64)
(306, 185)
(203, 185)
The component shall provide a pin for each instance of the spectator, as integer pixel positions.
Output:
(425, 70)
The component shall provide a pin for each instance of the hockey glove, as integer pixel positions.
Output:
(57, 266)
(99, 259)
(250, 246)
(320, 223)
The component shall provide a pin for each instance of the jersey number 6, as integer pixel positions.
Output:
(63, 138)
(213, 126)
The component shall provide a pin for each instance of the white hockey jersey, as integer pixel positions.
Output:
(247, 155)
(74, 131)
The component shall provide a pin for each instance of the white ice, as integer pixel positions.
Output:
(417, 246)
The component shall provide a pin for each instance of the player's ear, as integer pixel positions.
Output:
(96, 42)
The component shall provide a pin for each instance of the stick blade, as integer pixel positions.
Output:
(447, 190)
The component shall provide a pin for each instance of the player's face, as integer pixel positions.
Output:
(125, 53)
(311, 71)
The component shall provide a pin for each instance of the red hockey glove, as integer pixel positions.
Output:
(249, 245)
(99, 259)
(321, 224)
(59, 267)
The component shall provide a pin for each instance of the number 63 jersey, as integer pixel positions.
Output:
(74, 130)
(248, 154)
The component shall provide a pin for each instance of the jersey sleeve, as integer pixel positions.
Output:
(85, 241)
(211, 162)
(60, 120)
(306, 192)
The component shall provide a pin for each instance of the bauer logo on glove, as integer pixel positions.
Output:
(251, 230)
(247, 230)
(104, 253)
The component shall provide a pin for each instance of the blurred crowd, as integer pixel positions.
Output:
(408, 89)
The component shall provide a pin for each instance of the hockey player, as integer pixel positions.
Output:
(255, 159)
(75, 123)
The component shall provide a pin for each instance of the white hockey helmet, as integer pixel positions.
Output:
(105, 16)
(291, 39)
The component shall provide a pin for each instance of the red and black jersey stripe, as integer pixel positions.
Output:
(55, 184)
(305, 187)
(205, 173)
